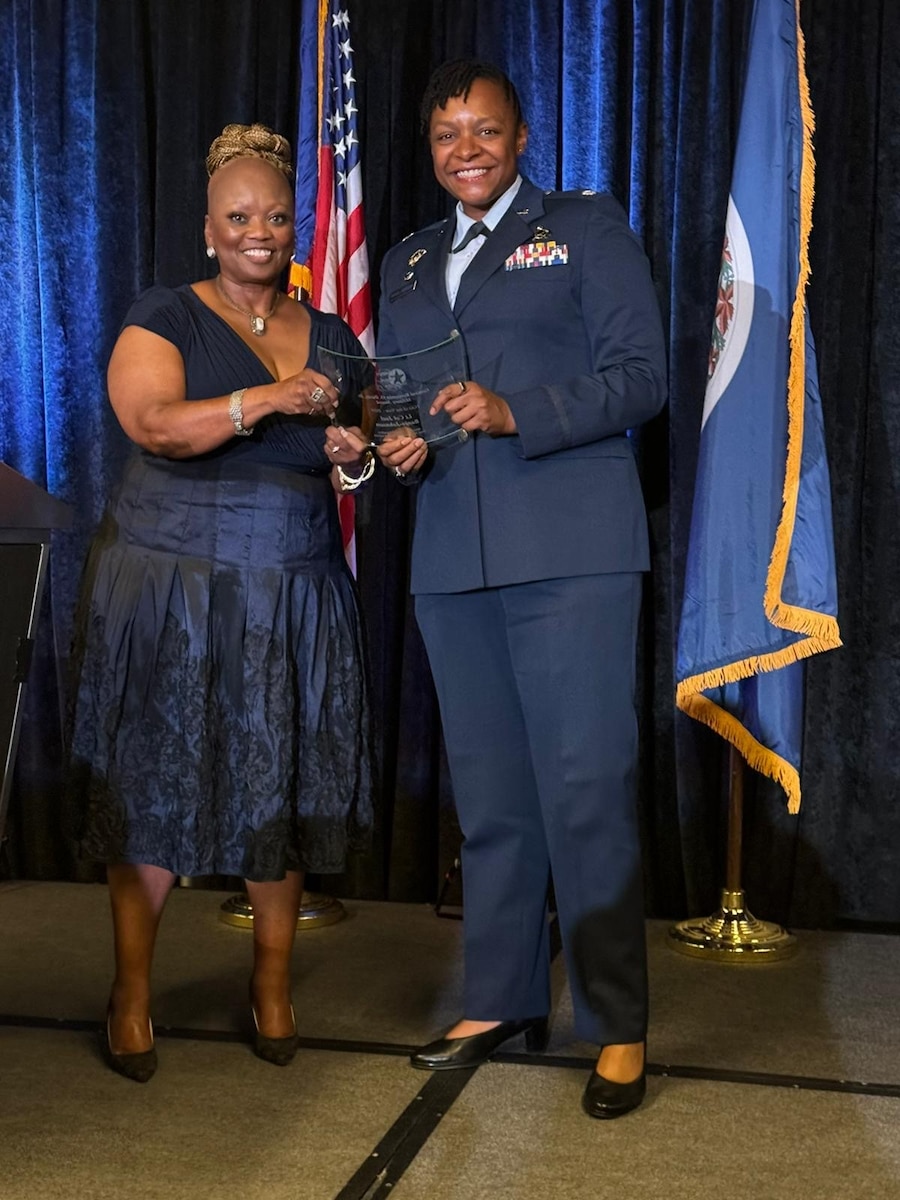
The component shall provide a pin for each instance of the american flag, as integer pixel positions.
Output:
(330, 258)
(331, 263)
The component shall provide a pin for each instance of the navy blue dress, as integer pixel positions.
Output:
(220, 720)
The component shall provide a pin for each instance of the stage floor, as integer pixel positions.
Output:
(767, 1081)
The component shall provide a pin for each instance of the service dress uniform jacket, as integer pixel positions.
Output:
(559, 317)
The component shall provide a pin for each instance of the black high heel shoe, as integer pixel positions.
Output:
(138, 1067)
(606, 1100)
(447, 1054)
(278, 1051)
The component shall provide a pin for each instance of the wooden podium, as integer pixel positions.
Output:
(27, 515)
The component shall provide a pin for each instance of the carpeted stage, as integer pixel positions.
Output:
(767, 1082)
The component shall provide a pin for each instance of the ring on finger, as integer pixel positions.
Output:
(317, 395)
(462, 386)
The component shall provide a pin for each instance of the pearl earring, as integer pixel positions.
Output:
(210, 252)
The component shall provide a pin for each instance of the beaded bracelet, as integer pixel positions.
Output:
(348, 482)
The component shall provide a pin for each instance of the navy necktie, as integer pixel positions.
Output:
(473, 232)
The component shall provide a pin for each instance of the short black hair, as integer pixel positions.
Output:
(456, 78)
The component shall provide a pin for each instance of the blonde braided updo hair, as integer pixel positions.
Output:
(250, 141)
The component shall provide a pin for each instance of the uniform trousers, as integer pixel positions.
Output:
(535, 683)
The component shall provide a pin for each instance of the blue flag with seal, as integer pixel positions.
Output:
(760, 591)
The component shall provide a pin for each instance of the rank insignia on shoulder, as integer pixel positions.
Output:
(537, 254)
(572, 194)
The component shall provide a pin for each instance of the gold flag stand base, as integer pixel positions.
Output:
(316, 910)
(732, 935)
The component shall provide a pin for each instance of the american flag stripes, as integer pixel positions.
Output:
(331, 263)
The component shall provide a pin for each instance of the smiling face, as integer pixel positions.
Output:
(250, 221)
(475, 143)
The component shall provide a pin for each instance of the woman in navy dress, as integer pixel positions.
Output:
(219, 724)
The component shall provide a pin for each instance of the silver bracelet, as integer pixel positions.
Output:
(236, 412)
(348, 482)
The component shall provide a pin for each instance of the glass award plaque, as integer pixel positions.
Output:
(396, 390)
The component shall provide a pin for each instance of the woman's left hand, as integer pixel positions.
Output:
(345, 445)
(474, 408)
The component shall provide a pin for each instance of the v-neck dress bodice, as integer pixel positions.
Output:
(217, 362)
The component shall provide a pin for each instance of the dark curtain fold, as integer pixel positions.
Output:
(102, 190)
(849, 835)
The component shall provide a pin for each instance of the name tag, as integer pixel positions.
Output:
(538, 254)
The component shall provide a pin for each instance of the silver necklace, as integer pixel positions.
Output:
(257, 322)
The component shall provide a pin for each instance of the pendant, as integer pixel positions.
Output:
(258, 325)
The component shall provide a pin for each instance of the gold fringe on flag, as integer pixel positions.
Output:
(299, 281)
(780, 613)
(690, 699)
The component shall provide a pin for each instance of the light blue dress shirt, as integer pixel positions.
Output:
(457, 263)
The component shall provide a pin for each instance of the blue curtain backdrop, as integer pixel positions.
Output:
(111, 108)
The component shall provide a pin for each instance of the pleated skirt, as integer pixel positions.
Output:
(219, 722)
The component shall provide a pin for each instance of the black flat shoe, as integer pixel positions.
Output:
(278, 1051)
(447, 1054)
(137, 1067)
(605, 1100)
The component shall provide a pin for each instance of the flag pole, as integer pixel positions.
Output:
(330, 263)
(733, 934)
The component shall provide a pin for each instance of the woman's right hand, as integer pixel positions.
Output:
(402, 452)
(146, 381)
(307, 394)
